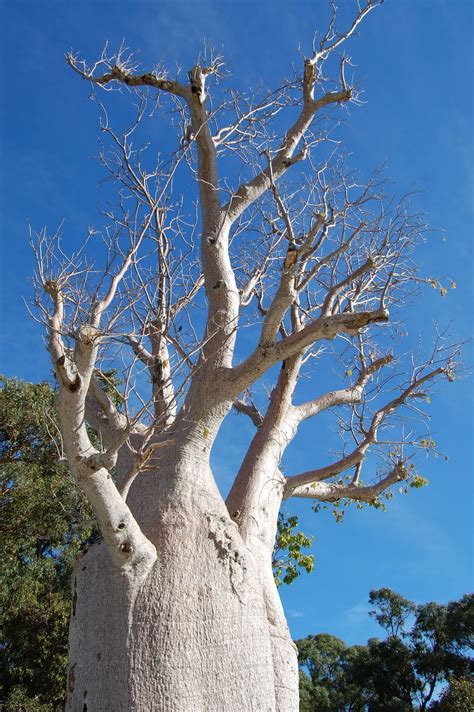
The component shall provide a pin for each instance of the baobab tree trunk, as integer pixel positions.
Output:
(195, 631)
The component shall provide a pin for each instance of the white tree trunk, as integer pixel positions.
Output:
(193, 633)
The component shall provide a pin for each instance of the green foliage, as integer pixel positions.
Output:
(110, 381)
(384, 675)
(458, 696)
(401, 673)
(306, 692)
(326, 688)
(44, 521)
(392, 610)
(19, 701)
(289, 558)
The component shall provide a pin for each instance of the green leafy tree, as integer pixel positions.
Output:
(441, 637)
(392, 610)
(458, 697)
(383, 673)
(401, 673)
(44, 522)
(327, 687)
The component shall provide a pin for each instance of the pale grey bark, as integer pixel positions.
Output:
(176, 609)
(180, 628)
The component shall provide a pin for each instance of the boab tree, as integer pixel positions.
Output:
(176, 608)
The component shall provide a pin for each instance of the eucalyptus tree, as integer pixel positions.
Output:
(44, 521)
(251, 219)
(427, 646)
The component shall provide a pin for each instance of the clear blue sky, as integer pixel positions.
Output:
(414, 62)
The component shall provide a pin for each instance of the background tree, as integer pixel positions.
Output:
(427, 646)
(458, 697)
(327, 687)
(300, 250)
(44, 522)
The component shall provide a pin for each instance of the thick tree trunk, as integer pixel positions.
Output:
(192, 633)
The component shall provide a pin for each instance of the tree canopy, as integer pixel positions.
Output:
(44, 522)
(427, 646)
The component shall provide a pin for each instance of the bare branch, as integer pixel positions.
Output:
(250, 410)
(119, 72)
(333, 491)
(268, 354)
(325, 254)
(285, 156)
(370, 436)
(344, 395)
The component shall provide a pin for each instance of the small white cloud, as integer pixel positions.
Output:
(357, 613)
(293, 613)
(355, 625)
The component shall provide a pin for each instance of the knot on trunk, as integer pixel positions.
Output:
(224, 534)
(197, 81)
(88, 334)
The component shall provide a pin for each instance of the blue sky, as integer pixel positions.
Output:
(414, 63)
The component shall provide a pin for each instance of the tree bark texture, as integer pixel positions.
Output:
(202, 629)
